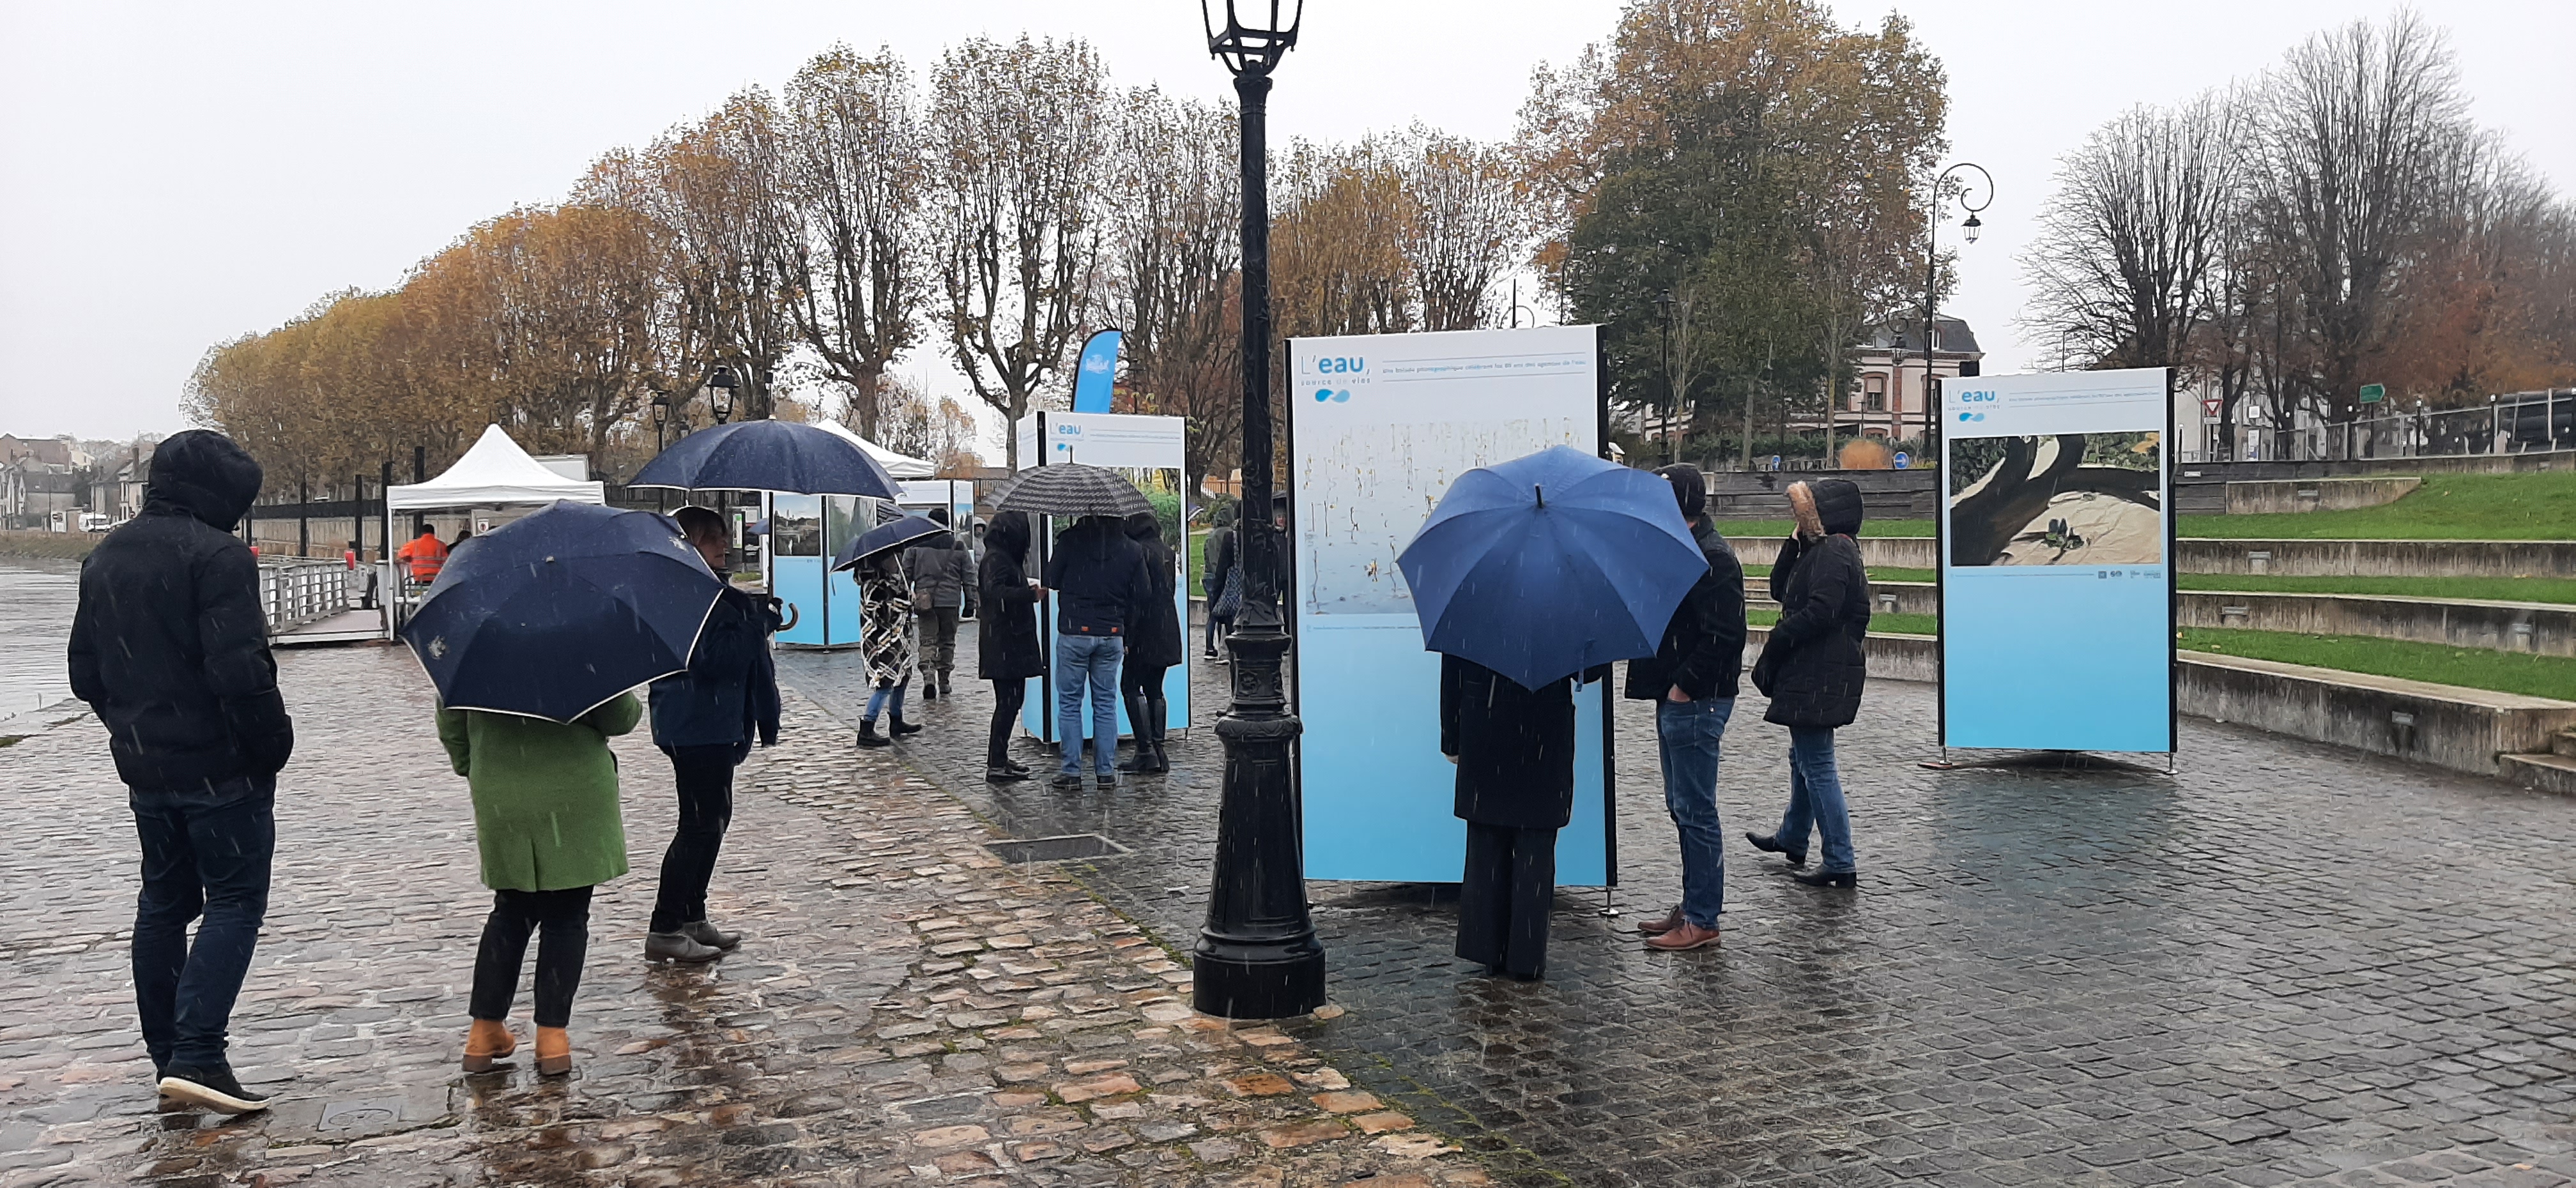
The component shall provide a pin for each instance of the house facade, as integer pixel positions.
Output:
(1888, 396)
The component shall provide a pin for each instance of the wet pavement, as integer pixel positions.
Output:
(37, 598)
(906, 1008)
(2285, 964)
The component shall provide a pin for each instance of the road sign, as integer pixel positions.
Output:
(1903, 460)
(2209, 408)
(2370, 393)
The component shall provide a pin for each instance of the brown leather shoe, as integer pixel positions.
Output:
(1670, 921)
(554, 1051)
(487, 1041)
(1688, 936)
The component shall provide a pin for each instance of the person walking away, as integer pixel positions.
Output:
(1692, 680)
(1155, 642)
(1813, 668)
(169, 646)
(425, 554)
(705, 720)
(1514, 748)
(1006, 640)
(1098, 576)
(1223, 570)
(885, 635)
(939, 579)
(547, 823)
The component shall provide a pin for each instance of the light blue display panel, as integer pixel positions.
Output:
(2057, 587)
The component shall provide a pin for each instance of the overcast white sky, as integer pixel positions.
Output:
(181, 173)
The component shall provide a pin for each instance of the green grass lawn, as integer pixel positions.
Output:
(1776, 529)
(2474, 668)
(2536, 506)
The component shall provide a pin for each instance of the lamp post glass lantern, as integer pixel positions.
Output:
(720, 394)
(1932, 285)
(1257, 957)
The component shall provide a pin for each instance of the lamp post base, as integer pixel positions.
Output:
(1257, 981)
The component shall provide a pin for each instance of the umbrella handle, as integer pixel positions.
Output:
(792, 615)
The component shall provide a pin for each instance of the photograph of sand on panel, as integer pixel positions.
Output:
(1364, 492)
(2062, 499)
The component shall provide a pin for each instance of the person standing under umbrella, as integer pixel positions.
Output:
(1691, 678)
(885, 636)
(1155, 642)
(1514, 748)
(939, 579)
(1098, 576)
(547, 823)
(1006, 641)
(706, 719)
(1813, 668)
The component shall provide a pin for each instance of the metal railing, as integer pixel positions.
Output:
(296, 592)
(2523, 422)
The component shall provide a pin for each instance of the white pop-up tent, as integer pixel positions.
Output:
(495, 473)
(897, 465)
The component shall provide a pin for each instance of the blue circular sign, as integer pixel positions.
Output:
(1903, 460)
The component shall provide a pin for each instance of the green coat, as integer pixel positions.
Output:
(545, 794)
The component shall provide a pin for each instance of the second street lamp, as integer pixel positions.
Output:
(1257, 957)
(720, 393)
(1932, 288)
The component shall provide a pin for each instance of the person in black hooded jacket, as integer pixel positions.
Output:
(1006, 635)
(1812, 669)
(1155, 642)
(170, 647)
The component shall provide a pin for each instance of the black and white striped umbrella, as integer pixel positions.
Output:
(1073, 489)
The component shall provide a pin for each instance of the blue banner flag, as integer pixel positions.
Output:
(1098, 371)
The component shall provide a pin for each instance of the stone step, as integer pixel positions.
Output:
(2541, 773)
(2564, 744)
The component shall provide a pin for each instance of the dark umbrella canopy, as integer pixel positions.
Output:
(1546, 565)
(894, 535)
(1073, 489)
(767, 456)
(551, 615)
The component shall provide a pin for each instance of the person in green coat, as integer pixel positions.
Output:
(546, 819)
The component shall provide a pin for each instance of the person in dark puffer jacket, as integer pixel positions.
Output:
(170, 647)
(1691, 678)
(1813, 668)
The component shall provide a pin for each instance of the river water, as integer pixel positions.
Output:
(36, 602)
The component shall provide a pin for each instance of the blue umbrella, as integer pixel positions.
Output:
(892, 535)
(767, 456)
(555, 613)
(1544, 566)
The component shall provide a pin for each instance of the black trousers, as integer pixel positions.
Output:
(565, 918)
(1007, 696)
(704, 776)
(1216, 628)
(1140, 680)
(1504, 897)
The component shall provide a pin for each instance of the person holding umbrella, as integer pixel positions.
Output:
(1813, 668)
(1529, 578)
(533, 638)
(1098, 576)
(705, 720)
(885, 637)
(1006, 642)
(1155, 642)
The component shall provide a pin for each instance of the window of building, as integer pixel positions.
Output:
(1874, 393)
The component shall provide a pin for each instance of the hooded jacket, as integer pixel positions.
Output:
(1153, 623)
(729, 695)
(1814, 665)
(1006, 625)
(939, 573)
(1098, 575)
(170, 643)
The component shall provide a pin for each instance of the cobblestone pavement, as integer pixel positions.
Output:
(907, 1009)
(2286, 964)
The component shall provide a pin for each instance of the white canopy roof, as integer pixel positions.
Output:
(897, 465)
(496, 472)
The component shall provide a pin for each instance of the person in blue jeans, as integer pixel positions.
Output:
(1098, 575)
(1691, 678)
(1813, 668)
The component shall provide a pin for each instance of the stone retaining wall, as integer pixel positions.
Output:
(2311, 495)
(2544, 628)
(2379, 558)
(1893, 552)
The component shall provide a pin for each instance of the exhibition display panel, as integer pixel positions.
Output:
(1378, 427)
(2056, 554)
(1148, 450)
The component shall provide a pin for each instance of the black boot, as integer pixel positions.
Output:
(1157, 716)
(1770, 843)
(1140, 757)
(1827, 878)
(868, 736)
(995, 773)
(898, 727)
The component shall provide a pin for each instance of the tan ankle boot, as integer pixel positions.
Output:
(487, 1041)
(554, 1051)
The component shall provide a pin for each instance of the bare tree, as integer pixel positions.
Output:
(1175, 201)
(1017, 135)
(1467, 224)
(854, 187)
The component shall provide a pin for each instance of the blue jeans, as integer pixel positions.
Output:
(1816, 799)
(1688, 734)
(206, 852)
(1087, 662)
(883, 697)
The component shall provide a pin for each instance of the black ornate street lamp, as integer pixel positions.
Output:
(1257, 956)
(720, 393)
(1932, 286)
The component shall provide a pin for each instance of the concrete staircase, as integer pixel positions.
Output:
(2554, 771)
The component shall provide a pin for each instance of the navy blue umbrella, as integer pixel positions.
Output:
(1544, 566)
(557, 612)
(893, 535)
(767, 456)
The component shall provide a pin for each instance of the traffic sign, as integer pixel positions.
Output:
(2209, 408)
(2370, 393)
(1903, 460)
